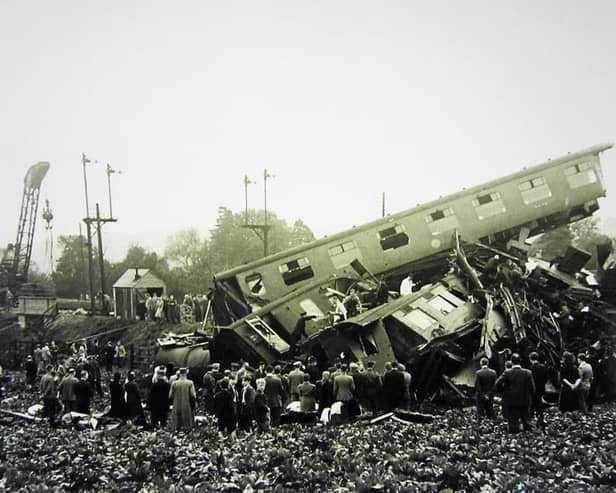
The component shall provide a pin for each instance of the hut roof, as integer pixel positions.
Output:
(137, 277)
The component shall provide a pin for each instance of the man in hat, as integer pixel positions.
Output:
(109, 354)
(372, 387)
(183, 396)
(49, 393)
(67, 391)
(275, 395)
(210, 380)
(296, 377)
(344, 391)
(31, 371)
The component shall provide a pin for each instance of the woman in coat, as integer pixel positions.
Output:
(183, 397)
(158, 398)
(118, 402)
(133, 399)
(325, 391)
(568, 399)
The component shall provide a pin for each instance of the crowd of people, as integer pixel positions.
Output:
(241, 398)
(165, 308)
(523, 384)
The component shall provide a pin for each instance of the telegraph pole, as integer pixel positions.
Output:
(247, 182)
(261, 230)
(85, 161)
(266, 175)
(82, 262)
(109, 170)
(101, 260)
(98, 220)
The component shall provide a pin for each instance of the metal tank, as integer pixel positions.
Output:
(196, 358)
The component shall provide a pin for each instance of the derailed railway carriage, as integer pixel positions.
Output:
(257, 306)
(509, 209)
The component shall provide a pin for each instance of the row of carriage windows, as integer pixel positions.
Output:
(395, 236)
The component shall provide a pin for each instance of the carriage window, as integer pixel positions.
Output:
(488, 205)
(393, 237)
(442, 220)
(580, 174)
(255, 284)
(534, 190)
(439, 214)
(344, 253)
(296, 270)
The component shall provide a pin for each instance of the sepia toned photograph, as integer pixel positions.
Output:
(346, 246)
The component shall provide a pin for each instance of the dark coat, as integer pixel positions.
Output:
(540, 374)
(133, 400)
(83, 396)
(325, 393)
(485, 378)
(314, 372)
(568, 399)
(517, 386)
(393, 389)
(158, 398)
(118, 402)
(344, 388)
(31, 370)
(274, 391)
(224, 408)
(372, 383)
(247, 396)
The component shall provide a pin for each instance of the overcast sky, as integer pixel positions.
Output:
(340, 100)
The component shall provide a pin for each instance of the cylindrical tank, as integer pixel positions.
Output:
(195, 358)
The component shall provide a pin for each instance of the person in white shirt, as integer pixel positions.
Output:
(340, 312)
(407, 285)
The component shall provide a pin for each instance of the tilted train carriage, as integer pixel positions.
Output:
(522, 204)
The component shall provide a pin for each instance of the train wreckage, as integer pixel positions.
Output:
(479, 292)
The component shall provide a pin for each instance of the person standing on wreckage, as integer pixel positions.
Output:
(407, 285)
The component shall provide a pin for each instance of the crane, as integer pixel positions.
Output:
(16, 261)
